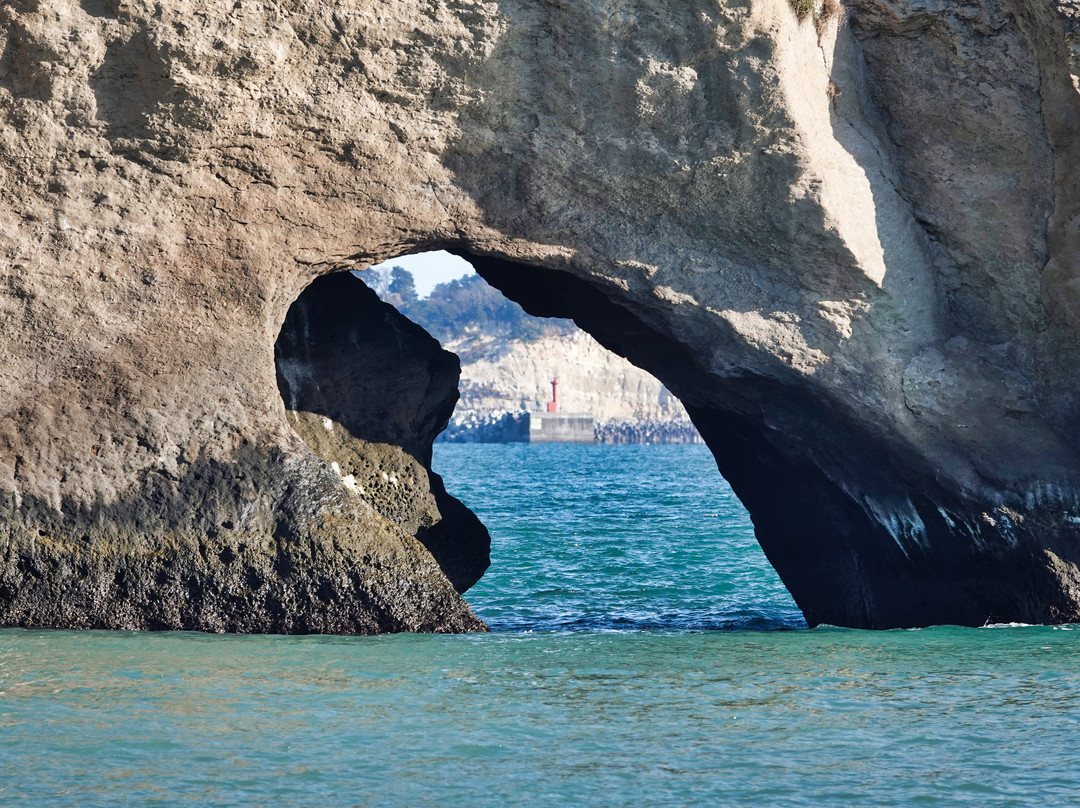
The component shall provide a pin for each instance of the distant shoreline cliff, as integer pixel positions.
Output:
(508, 359)
(511, 379)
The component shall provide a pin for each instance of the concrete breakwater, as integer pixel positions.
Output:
(499, 426)
(502, 426)
(647, 431)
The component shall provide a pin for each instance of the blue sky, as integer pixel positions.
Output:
(430, 269)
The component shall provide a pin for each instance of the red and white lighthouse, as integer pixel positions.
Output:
(553, 405)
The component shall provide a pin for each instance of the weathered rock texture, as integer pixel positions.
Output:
(851, 250)
(369, 391)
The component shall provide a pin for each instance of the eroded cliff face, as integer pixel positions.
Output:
(850, 249)
(515, 375)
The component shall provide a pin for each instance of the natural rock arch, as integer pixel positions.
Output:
(851, 250)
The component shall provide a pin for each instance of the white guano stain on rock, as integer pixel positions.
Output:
(900, 519)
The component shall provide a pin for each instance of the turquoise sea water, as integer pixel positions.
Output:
(613, 538)
(643, 654)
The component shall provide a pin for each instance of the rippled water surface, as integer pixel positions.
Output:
(613, 538)
(600, 685)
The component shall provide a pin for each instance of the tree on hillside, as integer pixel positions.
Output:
(395, 285)
(403, 286)
(470, 305)
(460, 308)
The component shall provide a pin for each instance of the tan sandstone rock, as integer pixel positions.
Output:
(850, 248)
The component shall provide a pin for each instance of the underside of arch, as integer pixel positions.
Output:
(857, 525)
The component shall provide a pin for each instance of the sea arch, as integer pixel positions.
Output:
(852, 256)
(850, 544)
